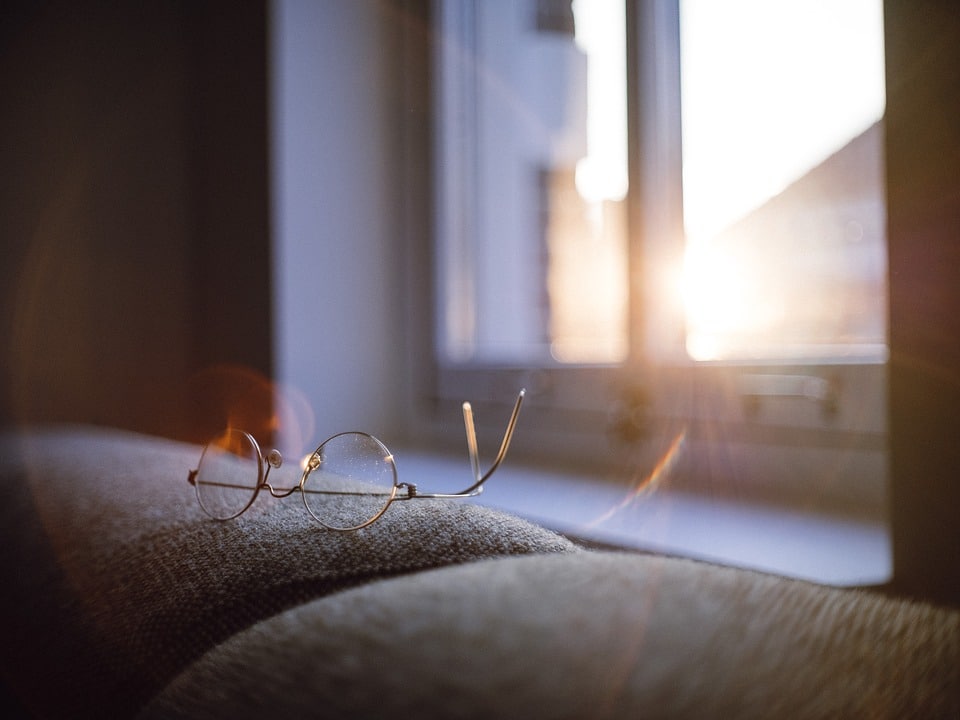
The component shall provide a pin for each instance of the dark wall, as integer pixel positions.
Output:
(923, 204)
(133, 207)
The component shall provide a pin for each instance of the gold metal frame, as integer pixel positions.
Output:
(398, 491)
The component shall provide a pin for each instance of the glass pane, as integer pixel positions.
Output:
(228, 474)
(783, 179)
(532, 170)
(351, 479)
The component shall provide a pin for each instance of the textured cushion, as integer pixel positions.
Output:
(114, 579)
(588, 635)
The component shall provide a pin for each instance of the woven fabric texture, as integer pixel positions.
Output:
(115, 579)
(588, 635)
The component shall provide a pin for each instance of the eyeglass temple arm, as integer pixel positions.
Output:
(480, 479)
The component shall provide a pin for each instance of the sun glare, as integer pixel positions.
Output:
(713, 294)
(721, 302)
(770, 89)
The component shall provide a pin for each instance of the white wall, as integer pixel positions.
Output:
(334, 210)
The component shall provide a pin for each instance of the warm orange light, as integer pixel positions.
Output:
(650, 482)
(240, 397)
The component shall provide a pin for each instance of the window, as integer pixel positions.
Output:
(666, 219)
(533, 181)
(782, 179)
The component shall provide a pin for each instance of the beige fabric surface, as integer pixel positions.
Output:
(114, 579)
(589, 635)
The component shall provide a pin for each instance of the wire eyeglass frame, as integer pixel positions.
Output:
(398, 491)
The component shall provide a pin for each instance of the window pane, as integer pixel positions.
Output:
(532, 170)
(783, 179)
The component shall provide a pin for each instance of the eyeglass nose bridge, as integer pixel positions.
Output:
(279, 493)
(274, 460)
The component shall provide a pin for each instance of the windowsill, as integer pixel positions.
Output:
(789, 542)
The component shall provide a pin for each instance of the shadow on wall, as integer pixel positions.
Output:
(135, 233)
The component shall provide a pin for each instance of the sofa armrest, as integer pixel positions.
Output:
(114, 579)
(583, 635)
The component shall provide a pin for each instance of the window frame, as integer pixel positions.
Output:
(613, 419)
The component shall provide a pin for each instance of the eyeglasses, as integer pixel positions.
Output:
(348, 482)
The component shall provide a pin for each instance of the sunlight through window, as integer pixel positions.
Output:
(783, 175)
(533, 182)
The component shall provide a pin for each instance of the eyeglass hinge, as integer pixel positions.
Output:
(410, 488)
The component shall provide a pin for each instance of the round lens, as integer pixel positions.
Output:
(228, 474)
(349, 481)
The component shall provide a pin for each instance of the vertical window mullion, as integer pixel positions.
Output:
(656, 191)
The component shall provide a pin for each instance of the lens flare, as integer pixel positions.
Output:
(241, 397)
(648, 484)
